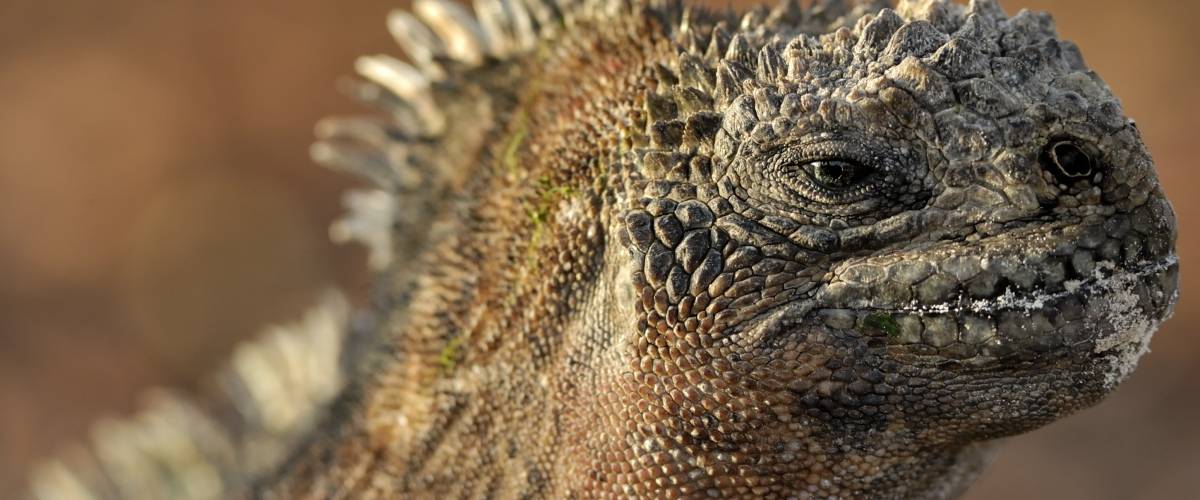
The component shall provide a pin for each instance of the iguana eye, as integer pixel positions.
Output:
(835, 173)
(838, 173)
(833, 181)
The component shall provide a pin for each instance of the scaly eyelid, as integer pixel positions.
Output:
(892, 173)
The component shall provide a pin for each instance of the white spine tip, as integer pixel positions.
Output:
(393, 74)
(421, 44)
(465, 39)
(368, 221)
(321, 152)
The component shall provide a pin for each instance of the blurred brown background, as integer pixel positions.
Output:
(157, 205)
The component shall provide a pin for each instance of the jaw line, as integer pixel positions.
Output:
(1117, 280)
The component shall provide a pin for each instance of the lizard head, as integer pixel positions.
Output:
(923, 226)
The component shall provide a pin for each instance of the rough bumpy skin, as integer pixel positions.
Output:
(646, 250)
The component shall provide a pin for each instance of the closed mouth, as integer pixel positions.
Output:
(1107, 278)
(1114, 308)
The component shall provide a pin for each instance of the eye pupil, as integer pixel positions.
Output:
(835, 173)
(1067, 162)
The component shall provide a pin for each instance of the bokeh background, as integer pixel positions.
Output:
(157, 205)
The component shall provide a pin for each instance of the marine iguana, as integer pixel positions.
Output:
(630, 248)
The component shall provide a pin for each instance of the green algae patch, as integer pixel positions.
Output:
(448, 358)
(512, 147)
(883, 323)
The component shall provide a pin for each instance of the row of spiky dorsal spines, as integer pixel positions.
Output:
(720, 63)
(190, 447)
(442, 37)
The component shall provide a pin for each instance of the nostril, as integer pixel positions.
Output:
(1067, 161)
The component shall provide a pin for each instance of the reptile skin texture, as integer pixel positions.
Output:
(642, 249)
(830, 252)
